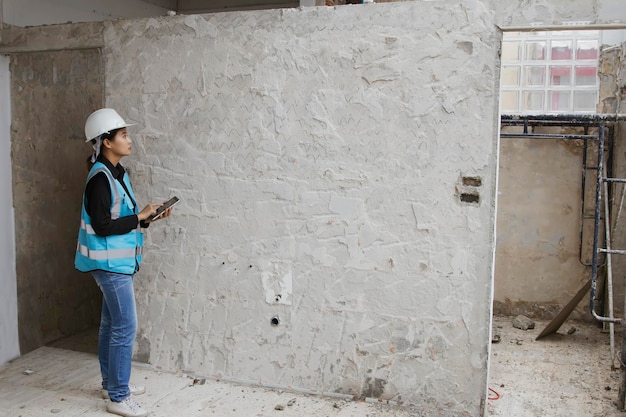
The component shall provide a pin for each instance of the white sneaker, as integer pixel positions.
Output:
(134, 390)
(127, 408)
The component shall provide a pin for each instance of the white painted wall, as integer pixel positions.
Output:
(47, 12)
(9, 345)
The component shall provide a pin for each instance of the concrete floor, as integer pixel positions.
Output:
(561, 375)
(66, 383)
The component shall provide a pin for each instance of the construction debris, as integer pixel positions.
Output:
(524, 323)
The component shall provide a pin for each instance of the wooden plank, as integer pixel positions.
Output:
(560, 318)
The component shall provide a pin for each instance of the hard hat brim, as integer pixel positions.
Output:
(115, 128)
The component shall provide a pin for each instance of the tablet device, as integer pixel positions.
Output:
(169, 203)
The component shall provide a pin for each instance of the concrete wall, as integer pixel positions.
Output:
(9, 346)
(558, 13)
(321, 182)
(51, 93)
(539, 210)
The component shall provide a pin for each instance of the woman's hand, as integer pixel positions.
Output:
(166, 213)
(149, 210)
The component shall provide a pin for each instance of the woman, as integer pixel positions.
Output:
(109, 246)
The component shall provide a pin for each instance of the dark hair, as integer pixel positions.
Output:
(106, 135)
(110, 134)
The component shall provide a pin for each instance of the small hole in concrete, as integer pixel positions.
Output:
(472, 181)
(470, 198)
(275, 321)
(277, 298)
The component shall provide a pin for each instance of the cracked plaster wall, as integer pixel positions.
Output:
(319, 162)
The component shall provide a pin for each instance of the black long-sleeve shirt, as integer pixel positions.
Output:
(98, 203)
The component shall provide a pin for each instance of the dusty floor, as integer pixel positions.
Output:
(561, 375)
(53, 381)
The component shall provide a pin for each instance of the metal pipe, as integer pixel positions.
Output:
(623, 355)
(597, 117)
(558, 123)
(619, 210)
(609, 272)
(582, 204)
(578, 26)
(596, 227)
(545, 136)
(614, 251)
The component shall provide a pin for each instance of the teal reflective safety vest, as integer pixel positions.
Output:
(115, 253)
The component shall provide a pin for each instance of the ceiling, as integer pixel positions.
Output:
(45, 12)
(207, 6)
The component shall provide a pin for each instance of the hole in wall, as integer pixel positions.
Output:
(275, 321)
(472, 181)
(469, 198)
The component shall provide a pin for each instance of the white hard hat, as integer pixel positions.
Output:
(102, 121)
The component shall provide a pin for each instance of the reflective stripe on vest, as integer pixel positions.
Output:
(108, 253)
(115, 253)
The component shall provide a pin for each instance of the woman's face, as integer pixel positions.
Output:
(120, 145)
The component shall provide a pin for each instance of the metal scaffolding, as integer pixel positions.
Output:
(598, 129)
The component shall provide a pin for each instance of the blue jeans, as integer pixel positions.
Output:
(118, 326)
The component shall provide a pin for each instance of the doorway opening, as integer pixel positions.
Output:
(50, 92)
(546, 206)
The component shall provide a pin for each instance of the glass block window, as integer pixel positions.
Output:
(550, 72)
